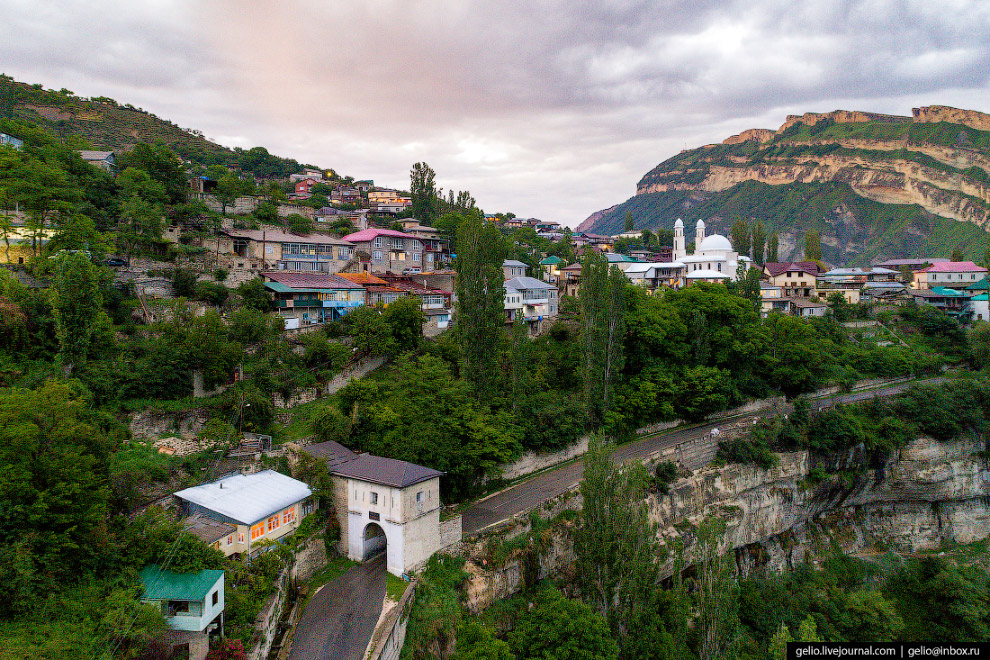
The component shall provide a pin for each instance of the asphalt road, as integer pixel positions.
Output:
(694, 447)
(340, 618)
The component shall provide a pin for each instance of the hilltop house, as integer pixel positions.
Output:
(264, 506)
(551, 268)
(851, 281)
(192, 604)
(383, 504)
(954, 302)
(305, 299)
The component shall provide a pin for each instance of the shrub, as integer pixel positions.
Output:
(210, 292)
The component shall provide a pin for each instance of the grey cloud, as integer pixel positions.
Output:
(553, 108)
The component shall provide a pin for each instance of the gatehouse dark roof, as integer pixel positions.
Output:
(373, 469)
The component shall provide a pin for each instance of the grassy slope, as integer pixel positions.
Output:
(105, 125)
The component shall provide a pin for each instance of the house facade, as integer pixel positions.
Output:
(512, 268)
(530, 299)
(798, 279)
(192, 604)
(264, 506)
(105, 160)
(277, 249)
(306, 299)
(383, 505)
(388, 250)
(11, 141)
(949, 274)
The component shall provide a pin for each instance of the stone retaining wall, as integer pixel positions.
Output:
(390, 635)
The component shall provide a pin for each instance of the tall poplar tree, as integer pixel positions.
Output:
(772, 246)
(759, 242)
(813, 245)
(615, 542)
(423, 190)
(602, 297)
(76, 303)
(481, 249)
(741, 237)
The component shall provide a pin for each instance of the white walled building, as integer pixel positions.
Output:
(264, 506)
(383, 504)
(713, 258)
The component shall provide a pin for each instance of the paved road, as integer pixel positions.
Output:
(694, 447)
(340, 618)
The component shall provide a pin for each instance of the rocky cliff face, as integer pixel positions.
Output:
(936, 162)
(918, 498)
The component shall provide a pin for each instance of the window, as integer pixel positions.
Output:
(374, 498)
(257, 531)
(377, 255)
(269, 249)
(289, 515)
(374, 516)
(419, 497)
(230, 540)
(378, 241)
(240, 537)
(216, 597)
(416, 256)
(273, 523)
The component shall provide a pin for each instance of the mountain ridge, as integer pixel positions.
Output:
(929, 169)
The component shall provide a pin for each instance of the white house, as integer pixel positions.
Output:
(713, 259)
(264, 506)
(512, 268)
(530, 298)
(192, 604)
(383, 504)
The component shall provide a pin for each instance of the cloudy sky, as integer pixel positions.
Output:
(552, 109)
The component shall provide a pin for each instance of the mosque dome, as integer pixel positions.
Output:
(715, 242)
(679, 223)
(701, 224)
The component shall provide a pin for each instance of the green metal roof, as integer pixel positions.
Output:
(948, 293)
(278, 286)
(551, 261)
(982, 285)
(166, 585)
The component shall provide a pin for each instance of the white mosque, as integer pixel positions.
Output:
(713, 260)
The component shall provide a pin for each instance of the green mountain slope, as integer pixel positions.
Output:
(875, 186)
(103, 123)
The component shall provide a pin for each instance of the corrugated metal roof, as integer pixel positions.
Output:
(310, 281)
(207, 529)
(166, 585)
(527, 283)
(281, 236)
(247, 498)
(374, 469)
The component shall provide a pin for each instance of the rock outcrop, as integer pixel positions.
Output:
(918, 498)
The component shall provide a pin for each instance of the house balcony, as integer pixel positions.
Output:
(299, 302)
(339, 304)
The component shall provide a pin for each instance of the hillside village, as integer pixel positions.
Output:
(296, 373)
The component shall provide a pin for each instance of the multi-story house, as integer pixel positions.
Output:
(571, 282)
(264, 506)
(387, 250)
(796, 278)
(949, 274)
(551, 268)
(277, 249)
(306, 299)
(530, 299)
(954, 302)
(345, 195)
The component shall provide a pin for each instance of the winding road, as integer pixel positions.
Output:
(340, 618)
(692, 446)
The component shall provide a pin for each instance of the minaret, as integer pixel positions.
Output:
(679, 251)
(699, 235)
